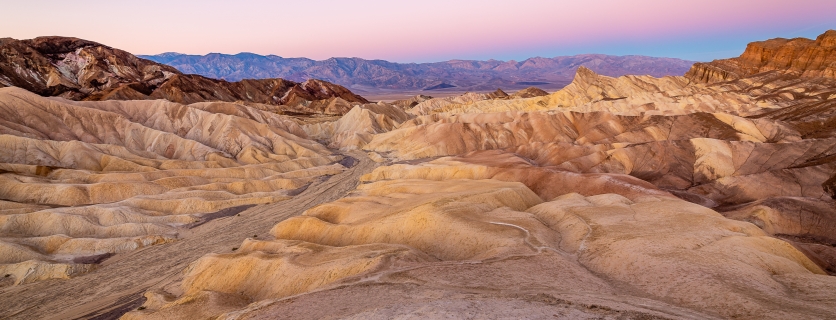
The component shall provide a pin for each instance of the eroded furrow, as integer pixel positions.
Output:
(131, 273)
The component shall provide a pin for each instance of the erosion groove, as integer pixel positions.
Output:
(121, 276)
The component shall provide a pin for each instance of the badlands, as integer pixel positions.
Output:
(704, 196)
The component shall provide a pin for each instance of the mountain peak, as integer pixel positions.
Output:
(58, 44)
(585, 74)
(827, 39)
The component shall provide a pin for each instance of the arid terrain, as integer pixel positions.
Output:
(131, 190)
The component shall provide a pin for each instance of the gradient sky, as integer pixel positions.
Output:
(424, 31)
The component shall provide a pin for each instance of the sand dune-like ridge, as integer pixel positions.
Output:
(84, 180)
(398, 230)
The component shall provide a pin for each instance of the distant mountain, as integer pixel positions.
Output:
(379, 75)
(78, 69)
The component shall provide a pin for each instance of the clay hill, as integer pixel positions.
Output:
(376, 76)
(631, 197)
(78, 69)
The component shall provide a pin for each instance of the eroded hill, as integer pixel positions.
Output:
(84, 180)
(617, 198)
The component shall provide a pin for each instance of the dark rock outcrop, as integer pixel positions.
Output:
(529, 92)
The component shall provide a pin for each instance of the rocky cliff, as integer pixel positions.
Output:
(804, 57)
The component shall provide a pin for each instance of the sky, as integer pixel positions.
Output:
(426, 30)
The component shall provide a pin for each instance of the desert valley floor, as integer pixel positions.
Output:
(128, 189)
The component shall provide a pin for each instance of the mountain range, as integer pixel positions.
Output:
(78, 69)
(372, 76)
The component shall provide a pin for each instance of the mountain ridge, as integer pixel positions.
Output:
(78, 69)
(376, 75)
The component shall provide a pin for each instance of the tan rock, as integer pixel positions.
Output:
(82, 180)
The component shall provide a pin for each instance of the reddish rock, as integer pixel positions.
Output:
(808, 58)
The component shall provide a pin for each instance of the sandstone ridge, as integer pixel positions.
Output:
(806, 57)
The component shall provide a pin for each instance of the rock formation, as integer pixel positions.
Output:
(529, 92)
(501, 237)
(84, 180)
(800, 56)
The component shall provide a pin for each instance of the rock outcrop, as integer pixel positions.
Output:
(803, 57)
(529, 92)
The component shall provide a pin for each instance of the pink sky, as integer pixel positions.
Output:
(420, 31)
